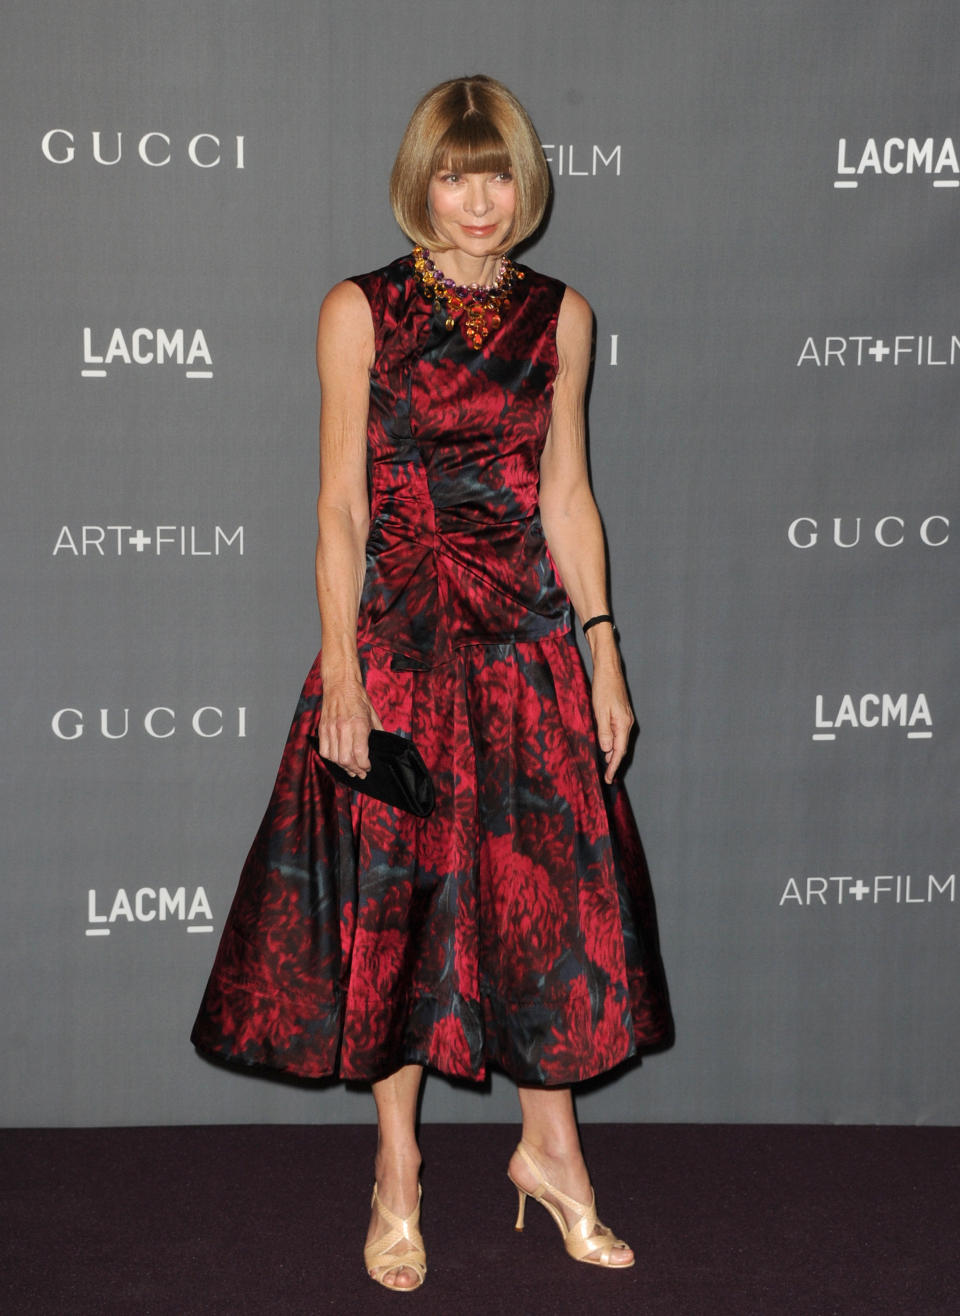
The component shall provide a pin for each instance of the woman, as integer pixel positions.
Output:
(513, 926)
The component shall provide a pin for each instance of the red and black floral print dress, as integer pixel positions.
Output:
(514, 926)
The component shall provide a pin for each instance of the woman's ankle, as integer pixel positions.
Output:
(397, 1169)
(552, 1150)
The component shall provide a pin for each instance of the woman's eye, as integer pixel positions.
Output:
(505, 177)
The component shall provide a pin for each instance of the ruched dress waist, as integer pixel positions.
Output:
(439, 578)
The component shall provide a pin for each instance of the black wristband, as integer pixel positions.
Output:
(595, 621)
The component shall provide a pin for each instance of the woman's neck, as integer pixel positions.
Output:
(465, 269)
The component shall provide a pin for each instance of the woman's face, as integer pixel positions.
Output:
(472, 212)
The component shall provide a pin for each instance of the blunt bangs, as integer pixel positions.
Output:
(471, 146)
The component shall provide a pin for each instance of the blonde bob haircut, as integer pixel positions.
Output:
(470, 126)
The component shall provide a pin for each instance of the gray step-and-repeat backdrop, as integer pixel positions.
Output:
(761, 201)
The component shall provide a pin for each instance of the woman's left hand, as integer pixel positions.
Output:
(613, 713)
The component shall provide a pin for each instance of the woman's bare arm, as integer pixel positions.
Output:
(572, 526)
(345, 349)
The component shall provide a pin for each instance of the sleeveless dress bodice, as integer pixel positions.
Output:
(456, 553)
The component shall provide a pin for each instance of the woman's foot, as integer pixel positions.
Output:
(394, 1230)
(566, 1177)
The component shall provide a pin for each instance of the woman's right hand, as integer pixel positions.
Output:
(346, 719)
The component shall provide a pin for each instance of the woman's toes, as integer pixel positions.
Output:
(400, 1278)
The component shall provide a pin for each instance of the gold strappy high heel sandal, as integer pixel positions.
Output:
(379, 1257)
(586, 1239)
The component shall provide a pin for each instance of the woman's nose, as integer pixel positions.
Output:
(477, 201)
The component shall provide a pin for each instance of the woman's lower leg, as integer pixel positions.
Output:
(552, 1137)
(550, 1131)
(397, 1163)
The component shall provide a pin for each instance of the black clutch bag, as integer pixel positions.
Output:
(397, 776)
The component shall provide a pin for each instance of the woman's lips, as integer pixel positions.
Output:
(478, 230)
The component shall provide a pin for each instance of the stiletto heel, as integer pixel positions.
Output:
(523, 1202)
(586, 1239)
(379, 1257)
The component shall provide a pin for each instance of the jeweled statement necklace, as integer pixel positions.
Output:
(480, 306)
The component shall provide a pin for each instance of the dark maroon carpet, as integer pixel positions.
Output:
(731, 1219)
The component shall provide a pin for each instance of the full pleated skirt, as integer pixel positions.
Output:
(512, 928)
